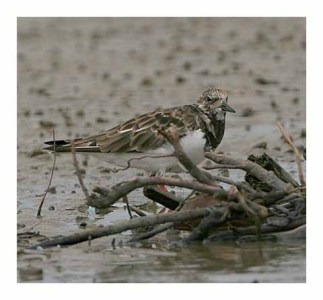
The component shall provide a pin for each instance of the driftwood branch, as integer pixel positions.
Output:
(108, 196)
(151, 220)
(267, 228)
(265, 161)
(250, 167)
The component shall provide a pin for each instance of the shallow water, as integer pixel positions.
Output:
(160, 262)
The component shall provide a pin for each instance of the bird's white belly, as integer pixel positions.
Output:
(162, 159)
(193, 144)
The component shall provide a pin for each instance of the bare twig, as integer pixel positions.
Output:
(126, 201)
(212, 167)
(78, 173)
(139, 212)
(249, 212)
(241, 185)
(129, 161)
(151, 233)
(202, 230)
(296, 152)
(50, 179)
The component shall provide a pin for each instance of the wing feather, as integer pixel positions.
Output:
(140, 133)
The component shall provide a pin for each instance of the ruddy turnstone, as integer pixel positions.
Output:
(137, 143)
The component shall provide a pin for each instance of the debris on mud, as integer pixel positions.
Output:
(270, 201)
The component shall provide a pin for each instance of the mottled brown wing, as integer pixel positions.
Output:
(141, 133)
(138, 134)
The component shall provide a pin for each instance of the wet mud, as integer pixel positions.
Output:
(82, 76)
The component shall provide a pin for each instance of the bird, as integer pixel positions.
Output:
(137, 143)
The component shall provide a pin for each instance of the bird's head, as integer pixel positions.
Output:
(215, 102)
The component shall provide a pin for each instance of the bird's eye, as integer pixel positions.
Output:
(209, 98)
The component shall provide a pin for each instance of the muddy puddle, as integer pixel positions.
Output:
(81, 76)
(167, 262)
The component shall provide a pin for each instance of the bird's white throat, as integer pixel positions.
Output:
(220, 114)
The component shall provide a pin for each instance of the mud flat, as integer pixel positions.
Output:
(81, 76)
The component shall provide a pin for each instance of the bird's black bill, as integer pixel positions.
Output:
(225, 106)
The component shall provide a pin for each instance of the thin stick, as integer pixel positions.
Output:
(137, 211)
(296, 152)
(50, 179)
(241, 185)
(212, 167)
(78, 173)
(151, 233)
(249, 212)
(125, 200)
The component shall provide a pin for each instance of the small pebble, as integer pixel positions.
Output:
(31, 273)
(262, 145)
(105, 76)
(27, 113)
(295, 100)
(38, 112)
(273, 104)
(263, 81)
(101, 120)
(83, 224)
(147, 81)
(158, 73)
(247, 112)
(52, 190)
(187, 66)
(180, 79)
(205, 72)
(80, 113)
(47, 124)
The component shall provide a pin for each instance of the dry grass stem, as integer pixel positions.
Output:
(50, 180)
(296, 152)
(79, 175)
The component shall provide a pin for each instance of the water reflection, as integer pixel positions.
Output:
(255, 262)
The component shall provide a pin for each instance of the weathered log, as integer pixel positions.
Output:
(269, 164)
(151, 220)
(251, 168)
